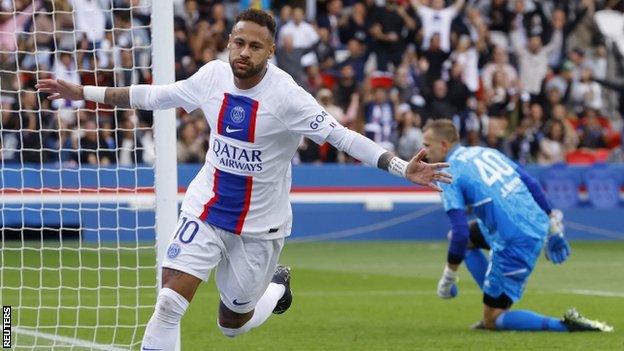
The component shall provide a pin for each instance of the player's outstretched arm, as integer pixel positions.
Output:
(368, 152)
(61, 89)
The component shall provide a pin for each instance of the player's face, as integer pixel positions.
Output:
(251, 46)
(435, 146)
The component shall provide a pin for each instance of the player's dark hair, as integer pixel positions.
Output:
(259, 17)
(443, 128)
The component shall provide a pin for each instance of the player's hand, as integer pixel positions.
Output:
(447, 286)
(557, 248)
(60, 89)
(427, 174)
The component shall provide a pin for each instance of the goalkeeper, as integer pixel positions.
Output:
(513, 220)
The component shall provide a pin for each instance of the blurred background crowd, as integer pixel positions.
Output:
(539, 80)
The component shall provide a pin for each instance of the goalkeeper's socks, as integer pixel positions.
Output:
(477, 264)
(162, 330)
(528, 321)
(262, 311)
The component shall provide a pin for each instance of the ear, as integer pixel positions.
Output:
(272, 50)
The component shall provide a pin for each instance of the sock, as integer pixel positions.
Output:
(528, 321)
(477, 264)
(163, 328)
(262, 311)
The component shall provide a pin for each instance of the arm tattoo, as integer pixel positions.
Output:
(117, 97)
(384, 160)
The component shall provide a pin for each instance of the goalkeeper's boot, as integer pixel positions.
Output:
(478, 326)
(282, 276)
(574, 321)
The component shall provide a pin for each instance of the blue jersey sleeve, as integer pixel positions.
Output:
(452, 195)
(460, 234)
(536, 190)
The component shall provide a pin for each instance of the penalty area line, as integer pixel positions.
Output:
(66, 340)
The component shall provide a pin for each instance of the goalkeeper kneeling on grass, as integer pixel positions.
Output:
(513, 221)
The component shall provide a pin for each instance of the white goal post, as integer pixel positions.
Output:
(88, 193)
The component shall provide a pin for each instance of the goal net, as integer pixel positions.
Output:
(77, 203)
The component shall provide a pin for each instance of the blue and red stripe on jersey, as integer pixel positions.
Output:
(228, 207)
(237, 117)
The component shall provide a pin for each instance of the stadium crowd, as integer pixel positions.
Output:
(527, 77)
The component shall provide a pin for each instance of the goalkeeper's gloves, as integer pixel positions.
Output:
(447, 287)
(557, 247)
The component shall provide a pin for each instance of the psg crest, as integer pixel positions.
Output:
(238, 114)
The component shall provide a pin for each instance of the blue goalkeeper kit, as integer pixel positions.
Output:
(488, 185)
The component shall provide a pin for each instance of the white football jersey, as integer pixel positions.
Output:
(245, 183)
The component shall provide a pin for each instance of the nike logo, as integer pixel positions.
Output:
(240, 303)
(229, 130)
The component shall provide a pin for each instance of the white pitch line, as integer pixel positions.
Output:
(378, 293)
(66, 340)
(593, 292)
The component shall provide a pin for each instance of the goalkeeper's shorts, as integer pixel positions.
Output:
(245, 266)
(511, 267)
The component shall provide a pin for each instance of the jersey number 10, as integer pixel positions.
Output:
(492, 167)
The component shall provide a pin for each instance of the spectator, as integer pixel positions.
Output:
(11, 139)
(458, 91)
(523, 143)
(592, 132)
(438, 103)
(570, 137)
(331, 22)
(436, 20)
(356, 25)
(552, 148)
(586, 93)
(289, 58)
(499, 63)
(379, 119)
(324, 50)
(303, 35)
(346, 86)
(90, 21)
(190, 146)
(130, 150)
(534, 59)
(93, 150)
(467, 58)
(386, 30)
(65, 68)
(434, 58)
(410, 136)
(356, 58)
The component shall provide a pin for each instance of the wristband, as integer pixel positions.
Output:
(93, 93)
(398, 167)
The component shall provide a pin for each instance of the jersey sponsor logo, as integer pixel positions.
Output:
(237, 114)
(174, 250)
(235, 157)
(318, 120)
(232, 130)
(240, 303)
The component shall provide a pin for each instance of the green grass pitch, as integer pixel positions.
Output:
(347, 296)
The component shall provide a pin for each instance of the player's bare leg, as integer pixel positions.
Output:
(276, 299)
(490, 314)
(178, 289)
